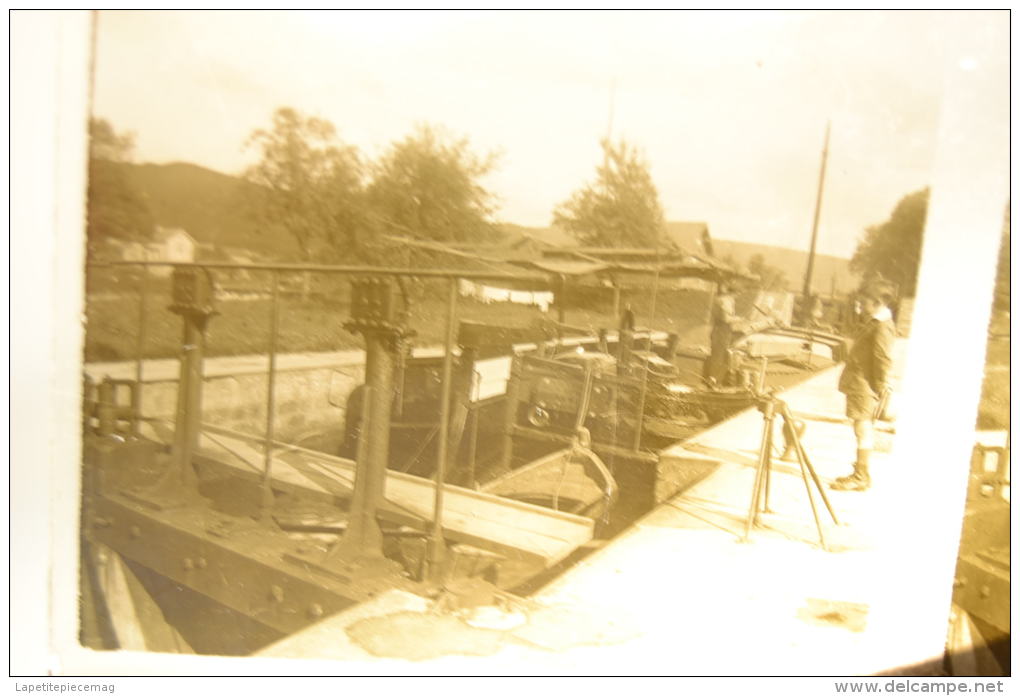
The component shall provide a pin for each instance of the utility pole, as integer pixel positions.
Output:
(606, 144)
(818, 210)
(612, 109)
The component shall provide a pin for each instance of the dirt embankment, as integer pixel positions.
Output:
(315, 322)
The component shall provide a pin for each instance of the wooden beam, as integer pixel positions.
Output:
(508, 527)
(135, 619)
(969, 653)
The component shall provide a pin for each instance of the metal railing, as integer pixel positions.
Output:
(276, 271)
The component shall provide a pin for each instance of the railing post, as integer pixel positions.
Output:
(266, 503)
(143, 309)
(378, 314)
(193, 300)
(473, 413)
(645, 367)
(512, 401)
(436, 547)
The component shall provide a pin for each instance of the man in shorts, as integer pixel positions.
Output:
(865, 378)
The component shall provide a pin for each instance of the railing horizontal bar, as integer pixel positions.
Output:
(320, 268)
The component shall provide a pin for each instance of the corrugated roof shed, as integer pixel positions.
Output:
(690, 237)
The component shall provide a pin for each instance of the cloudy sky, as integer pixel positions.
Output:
(728, 108)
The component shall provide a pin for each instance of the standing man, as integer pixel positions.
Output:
(816, 310)
(865, 377)
(725, 328)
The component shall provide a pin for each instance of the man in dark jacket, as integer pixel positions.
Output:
(864, 380)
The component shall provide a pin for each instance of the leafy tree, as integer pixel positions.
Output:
(892, 250)
(621, 208)
(115, 208)
(308, 185)
(106, 144)
(427, 186)
(769, 277)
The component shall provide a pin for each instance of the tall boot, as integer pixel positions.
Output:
(860, 480)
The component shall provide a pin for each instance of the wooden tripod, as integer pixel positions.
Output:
(770, 407)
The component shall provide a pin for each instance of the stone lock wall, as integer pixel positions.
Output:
(310, 398)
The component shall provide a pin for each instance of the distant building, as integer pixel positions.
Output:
(168, 244)
(681, 240)
(690, 237)
(171, 244)
(514, 245)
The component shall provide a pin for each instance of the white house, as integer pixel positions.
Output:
(171, 244)
(167, 244)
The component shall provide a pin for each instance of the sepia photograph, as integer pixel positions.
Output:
(533, 343)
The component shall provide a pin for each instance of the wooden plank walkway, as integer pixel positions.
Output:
(508, 527)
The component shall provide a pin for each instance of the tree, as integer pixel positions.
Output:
(106, 144)
(621, 208)
(115, 209)
(892, 250)
(308, 185)
(427, 186)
